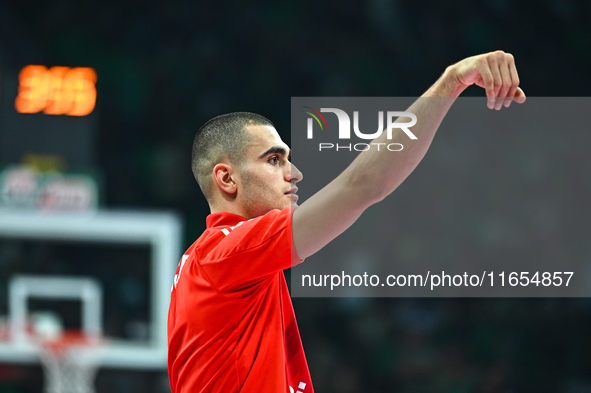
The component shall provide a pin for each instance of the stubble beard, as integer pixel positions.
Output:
(258, 199)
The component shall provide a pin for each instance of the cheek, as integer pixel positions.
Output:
(267, 175)
(254, 185)
(264, 179)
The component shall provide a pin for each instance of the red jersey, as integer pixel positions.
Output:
(231, 324)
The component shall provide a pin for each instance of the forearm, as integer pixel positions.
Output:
(374, 174)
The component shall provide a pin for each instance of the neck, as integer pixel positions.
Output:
(227, 208)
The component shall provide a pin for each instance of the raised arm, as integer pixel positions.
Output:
(374, 174)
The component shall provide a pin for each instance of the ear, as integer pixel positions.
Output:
(222, 175)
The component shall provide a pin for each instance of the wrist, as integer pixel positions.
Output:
(450, 85)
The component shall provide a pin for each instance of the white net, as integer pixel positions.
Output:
(68, 365)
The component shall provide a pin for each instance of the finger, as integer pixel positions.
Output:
(504, 92)
(519, 96)
(484, 71)
(514, 79)
(497, 78)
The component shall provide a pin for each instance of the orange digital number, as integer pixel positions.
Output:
(56, 91)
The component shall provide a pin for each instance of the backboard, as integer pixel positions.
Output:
(128, 257)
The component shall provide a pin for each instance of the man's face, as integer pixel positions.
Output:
(266, 179)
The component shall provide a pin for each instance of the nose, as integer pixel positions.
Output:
(293, 174)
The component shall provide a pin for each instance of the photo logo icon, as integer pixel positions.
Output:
(344, 122)
(316, 116)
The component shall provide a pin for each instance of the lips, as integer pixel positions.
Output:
(292, 194)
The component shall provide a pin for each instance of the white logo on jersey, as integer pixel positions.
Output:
(178, 275)
(301, 388)
(226, 231)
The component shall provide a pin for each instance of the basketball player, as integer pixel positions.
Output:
(231, 324)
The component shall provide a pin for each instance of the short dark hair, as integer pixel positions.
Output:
(222, 137)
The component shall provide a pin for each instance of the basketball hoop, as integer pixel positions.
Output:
(68, 362)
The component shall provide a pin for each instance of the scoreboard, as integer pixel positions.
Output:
(56, 91)
(48, 112)
(47, 139)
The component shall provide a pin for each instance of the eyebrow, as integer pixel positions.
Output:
(274, 149)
